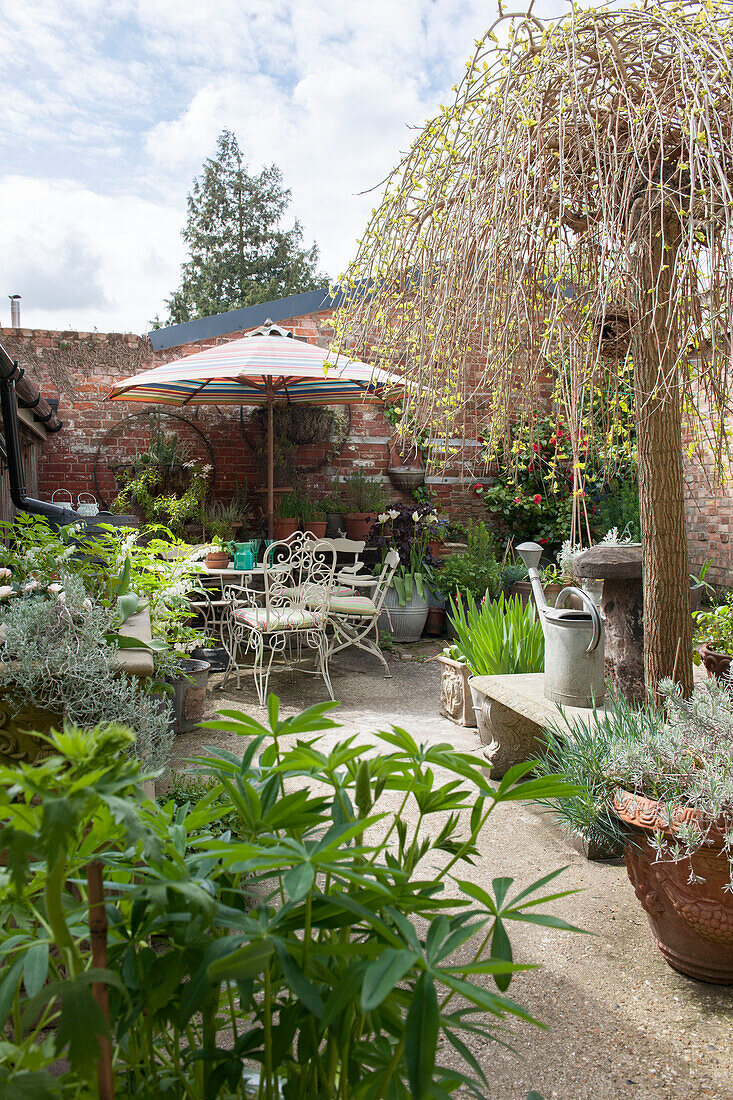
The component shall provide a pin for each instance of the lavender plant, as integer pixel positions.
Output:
(55, 655)
(680, 756)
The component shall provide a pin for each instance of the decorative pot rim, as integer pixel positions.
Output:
(654, 816)
(715, 652)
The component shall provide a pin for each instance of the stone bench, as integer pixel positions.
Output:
(513, 713)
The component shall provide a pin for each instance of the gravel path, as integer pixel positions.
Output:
(619, 1021)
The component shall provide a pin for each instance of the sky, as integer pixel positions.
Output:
(110, 108)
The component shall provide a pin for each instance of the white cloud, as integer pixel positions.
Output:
(114, 104)
(83, 260)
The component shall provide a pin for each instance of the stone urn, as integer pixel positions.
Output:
(715, 664)
(692, 923)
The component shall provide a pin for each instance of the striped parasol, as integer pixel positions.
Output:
(267, 366)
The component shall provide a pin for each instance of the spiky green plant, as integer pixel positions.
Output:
(499, 638)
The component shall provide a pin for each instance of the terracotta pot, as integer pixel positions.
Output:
(359, 524)
(715, 664)
(691, 924)
(284, 526)
(316, 527)
(435, 622)
(218, 560)
(434, 548)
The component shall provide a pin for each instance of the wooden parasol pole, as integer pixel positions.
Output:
(270, 461)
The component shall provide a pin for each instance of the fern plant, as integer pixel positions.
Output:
(499, 638)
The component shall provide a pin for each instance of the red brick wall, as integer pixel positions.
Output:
(80, 369)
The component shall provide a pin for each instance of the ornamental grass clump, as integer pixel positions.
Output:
(498, 638)
(680, 756)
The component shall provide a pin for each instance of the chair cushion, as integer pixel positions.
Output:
(360, 607)
(280, 618)
(312, 588)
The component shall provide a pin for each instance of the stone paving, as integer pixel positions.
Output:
(619, 1022)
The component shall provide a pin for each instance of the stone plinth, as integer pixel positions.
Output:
(455, 696)
(619, 567)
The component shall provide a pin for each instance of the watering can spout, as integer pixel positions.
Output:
(530, 553)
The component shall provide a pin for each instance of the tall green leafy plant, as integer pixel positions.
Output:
(326, 946)
(499, 638)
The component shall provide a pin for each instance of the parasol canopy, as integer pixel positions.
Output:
(267, 366)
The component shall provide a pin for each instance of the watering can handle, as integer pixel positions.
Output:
(594, 613)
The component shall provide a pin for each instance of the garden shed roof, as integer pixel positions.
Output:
(239, 320)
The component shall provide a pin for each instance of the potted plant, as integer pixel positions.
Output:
(286, 523)
(406, 528)
(661, 783)
(218, 555)
(362, 499)
(313, 517)
(714, 635)
(500, 637)
(470, 575)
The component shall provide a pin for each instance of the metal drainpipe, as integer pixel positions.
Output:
(9, 371)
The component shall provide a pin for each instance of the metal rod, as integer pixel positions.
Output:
(270, 463)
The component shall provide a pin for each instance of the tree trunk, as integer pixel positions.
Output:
(667, 620)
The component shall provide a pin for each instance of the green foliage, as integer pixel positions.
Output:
(238, 254)
(359, 493)
(111, 561)
(680, 755)
(55, 655)
(332, 943)
(529, 492)
(476, 572)
(619, 507)
(143, 489)
(512, 572)
(714, 625)
(220, 520)
(499, 638)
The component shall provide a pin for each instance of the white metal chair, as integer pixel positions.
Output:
(291, 613)
(354, 617)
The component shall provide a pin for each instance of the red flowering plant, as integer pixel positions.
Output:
(530, 495)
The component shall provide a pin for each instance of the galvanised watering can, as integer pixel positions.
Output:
(574, 640)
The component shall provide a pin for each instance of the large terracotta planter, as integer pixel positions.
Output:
(316, 527)
(715, 664)
(284, 526)
(358, 525)
(692, 924)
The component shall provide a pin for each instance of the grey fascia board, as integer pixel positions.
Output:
(239, 320)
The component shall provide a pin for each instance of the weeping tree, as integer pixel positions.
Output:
(570, 212)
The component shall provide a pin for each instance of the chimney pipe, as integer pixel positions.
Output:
(14, 310)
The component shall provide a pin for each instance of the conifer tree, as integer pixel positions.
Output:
(238, 254)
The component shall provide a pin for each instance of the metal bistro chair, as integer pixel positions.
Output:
(289, 616)
(354, 617)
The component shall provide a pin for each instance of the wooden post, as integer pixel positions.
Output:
(270, 462)
(667, 619)
(100, 991)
